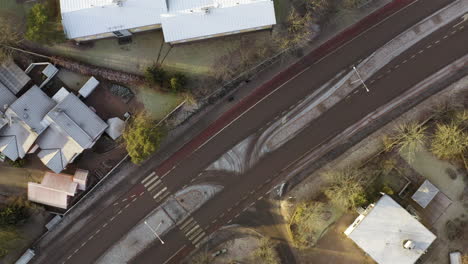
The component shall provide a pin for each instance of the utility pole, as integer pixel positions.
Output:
(359, 76)
(154, 231)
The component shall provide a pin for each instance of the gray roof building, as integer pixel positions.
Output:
(6, 98)
(13, 77)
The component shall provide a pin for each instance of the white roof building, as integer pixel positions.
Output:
(389, 234)
(91, 19)
(425, 193)
(189, 20)
(181, 20)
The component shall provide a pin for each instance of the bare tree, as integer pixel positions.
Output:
(408, 139)
(346, 188)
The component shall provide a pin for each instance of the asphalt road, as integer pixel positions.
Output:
(110, 225)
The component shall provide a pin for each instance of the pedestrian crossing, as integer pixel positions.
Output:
(192, 230)
(155, 186)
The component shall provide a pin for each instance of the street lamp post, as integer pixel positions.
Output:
(359, 76)
(154, 231)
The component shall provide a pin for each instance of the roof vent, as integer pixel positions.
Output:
(25, 116)
(409, 244)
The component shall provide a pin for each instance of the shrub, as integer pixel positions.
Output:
(266, 252)
(345, 188)
(42, 26)
(177, 83)
(19, 163)
(142, 138)
(155, 74)
(449, 141)
(408, 139)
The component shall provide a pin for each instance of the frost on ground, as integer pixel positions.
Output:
(192, 197)
(139, 238)
(235, 159)
(175, 211)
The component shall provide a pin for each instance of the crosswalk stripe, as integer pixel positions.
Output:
(192, 230)
(195, 234)
(186, 223)
(160, 192)
(163, 196)
(154, 185)
(150, 181)
(147, 177)
(189, 226)
(198, 238)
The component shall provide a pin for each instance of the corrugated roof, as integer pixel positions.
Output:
(6, 98)
(426, 192)
(13, 77)
(82, 18)
(48, 196)
(32, 107)
(60, 182)
(201, 18)
(77, 120)
(382, 231)
(88, 87)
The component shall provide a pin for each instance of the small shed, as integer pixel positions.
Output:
(115, 128)
(425, 194)
(88, 87)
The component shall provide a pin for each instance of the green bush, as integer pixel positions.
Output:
(19, 163)
(42, 25)
(15, 212)
(177, 83)
(155, 74)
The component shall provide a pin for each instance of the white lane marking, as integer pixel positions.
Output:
(147, 177)
(420, 51)
(259, 198)
(177, 252)
(453, 32)
(186, 223)
(151, 181)
(90, 238)
(160, 192)
(142, 193)
(237, 215)
(405, 61)
(154, 185)
(104, 225)
(134, 199)
(252, 204)
(396, 66)
(364, 32)
(133, 196)
(446, 36)
(196, 227)
(269, 191)
(185, 186)
(437, 41)
(116, 204)
(97, 231)
(429, 46)
(112, 218)
(83, 244)
(412, 56)
(127, 206)
(229, 221)
(76, 250)
(165, 195)
(124, 200)
(463, 18)
(221, 215)
(198, 238)
(214, 221)
(229, 210)
(119, 212)
(191, 237)
(250, 108)
(193, 180)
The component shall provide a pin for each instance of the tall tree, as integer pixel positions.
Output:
(407, 139)
(142, 138)
(346, 188)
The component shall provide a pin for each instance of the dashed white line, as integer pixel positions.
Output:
(429, 46)
(133, 196)
(119, 212)
(396, 66)
(446, 36)
(185, 186)
(83, 244)
(214, 221)
(437, 42)
(230, 209)
(193, 180)
(420, 51)
(412, 56)
(76, 250)
(405, 61)
(356, 91)
(229, 221)
(112, 218)
(104, 225)
(91, 237)
(124, 200)
(127, 206)
(115, 204)
(142, 193)
(237, 215)
(259, 198)
(453, 32)
(250, 205)
(97, 231)
(134, 199)
(269, 191)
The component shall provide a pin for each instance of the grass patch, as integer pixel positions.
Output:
(158, 104)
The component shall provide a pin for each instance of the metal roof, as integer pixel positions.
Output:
(424, 195)
(82, 18)
(204, 18)
(32, 107)
(6, 98)
(13, 77)
(48, 196)
(382, 232)
(77, 120)
(88, 87)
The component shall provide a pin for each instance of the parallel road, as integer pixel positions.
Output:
(102, 230)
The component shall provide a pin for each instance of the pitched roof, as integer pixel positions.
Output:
(425, 193)
(77, 120)
(6, 98)
(192, 19)
(382, 232)
(32, 107)
(9, 147)
(13, 77)
(16, 139)
(45, 195)
(82, 18)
